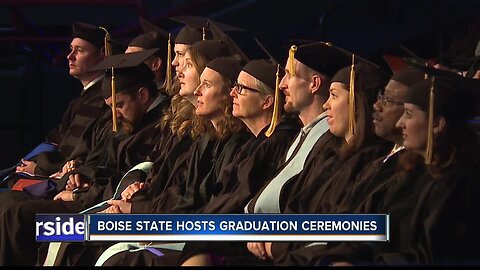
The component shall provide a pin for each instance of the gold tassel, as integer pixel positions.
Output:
(429, 150)
(291, 57)
(351, 100)
(168, 79)
(276, 106)
(108, 52)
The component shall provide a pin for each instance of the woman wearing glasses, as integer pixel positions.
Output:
(253, 102)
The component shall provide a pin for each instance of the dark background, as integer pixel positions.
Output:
(35, 36)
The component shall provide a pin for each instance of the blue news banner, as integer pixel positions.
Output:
(212, 227)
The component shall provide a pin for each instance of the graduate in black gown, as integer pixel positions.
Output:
(72, 136)
(168, 156)
(258, 159)
(305, 84)
(139, 112)
(323, 186)
(387, 111)
(210, 153)
(430, 205)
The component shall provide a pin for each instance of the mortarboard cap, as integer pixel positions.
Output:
(268, 73)
(195, 27)
(454, 95)
(88, 32)
(188, 35)
(263, 70)
(125, 60)
(152, 37)
(322, 57)
(202, 22)
(127, 79)
(210, 49)
(359, 77)
(408, 76)
(444, 93)
(125, 64)
(228, 66)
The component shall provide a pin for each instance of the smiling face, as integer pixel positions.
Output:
(414, 123)
(337, 109)
(210, 95)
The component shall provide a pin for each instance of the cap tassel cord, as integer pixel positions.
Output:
(168, 81)
(291, 57)
(108, 52)
(429, 150)
(351, 99)
(276, 106)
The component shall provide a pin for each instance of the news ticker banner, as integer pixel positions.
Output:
(212, 227)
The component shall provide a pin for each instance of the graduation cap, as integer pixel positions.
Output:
(126, 71)
(269, 74)
(210, 49)
(188, 35)
(320, 56)
(202, 22)
(88, 32)
(155, 37)
(408, 76)
(229, 67)
(444, 93)
(152, 37)
(195, 27)
(360, 77)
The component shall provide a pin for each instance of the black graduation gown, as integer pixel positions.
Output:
(168, 148)
(323, 148)
(74, 133)
(22, 243)
(443, 228)
(373, 178)
(204, 166)
(253, 165)
(251, 168)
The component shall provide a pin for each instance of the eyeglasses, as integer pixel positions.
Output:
(385, 101)
(240, 87)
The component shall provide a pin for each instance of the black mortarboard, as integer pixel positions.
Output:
(228, 66)
(444, 93)
(125, 60)
(201, 22)
(454, 96)
(408, 76)
(211, 49)
(152, 37)
(188, 35)
(123, 64)
(322, 57)
(366, 78)
(268, 73)
(263, 70)
(127, 78)
(90, 33)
